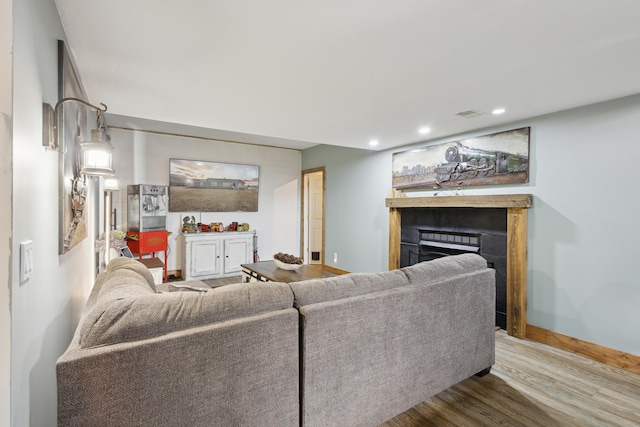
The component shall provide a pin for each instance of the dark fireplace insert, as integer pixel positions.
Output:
(430, 233)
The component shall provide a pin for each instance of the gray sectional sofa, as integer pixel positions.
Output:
(353, 350)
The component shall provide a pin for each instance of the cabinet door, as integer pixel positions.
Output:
(205, 258)
(237, 251)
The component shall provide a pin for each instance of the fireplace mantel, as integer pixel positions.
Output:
(489, 201)
(516, 206)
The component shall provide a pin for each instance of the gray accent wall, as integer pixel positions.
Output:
(357, 222)
(583, 235)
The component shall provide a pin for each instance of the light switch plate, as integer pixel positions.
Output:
(26, 260)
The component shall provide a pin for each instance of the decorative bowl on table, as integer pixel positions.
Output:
(285, 266)
(287, 262)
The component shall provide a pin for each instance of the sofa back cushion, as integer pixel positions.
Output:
(116, 267)
(354, 284)
(440, 268)
(349, 285)
(128, 310)
(130, 264)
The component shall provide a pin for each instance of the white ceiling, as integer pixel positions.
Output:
(297, 73)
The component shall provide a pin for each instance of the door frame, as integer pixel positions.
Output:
(303, 220)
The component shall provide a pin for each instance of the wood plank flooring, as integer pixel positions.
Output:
(214, 283)
(533, 384)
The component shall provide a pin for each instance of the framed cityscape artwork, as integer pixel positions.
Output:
(496, 159)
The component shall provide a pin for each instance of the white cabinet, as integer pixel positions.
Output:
(211, 255)
(203, 258)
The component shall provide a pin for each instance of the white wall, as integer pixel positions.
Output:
(583, 235)
(44, 309)
(143, 158)
(6, 97)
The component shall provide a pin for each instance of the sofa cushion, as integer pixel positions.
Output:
(437, 269)
(137, 271)
(117, 317)
(349, 285)
(124, 263)
(123, 284)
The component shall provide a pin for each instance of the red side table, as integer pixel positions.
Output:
(149, 242)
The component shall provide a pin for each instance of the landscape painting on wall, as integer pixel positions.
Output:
(499, 158)
(212, 187)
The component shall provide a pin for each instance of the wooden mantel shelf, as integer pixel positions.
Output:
(516, 205)
(481, 201)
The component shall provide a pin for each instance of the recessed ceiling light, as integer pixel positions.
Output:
(498, 111)
(424, 130)
(373, 143)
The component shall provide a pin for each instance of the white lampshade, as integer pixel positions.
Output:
(97, 155)
(110, 183)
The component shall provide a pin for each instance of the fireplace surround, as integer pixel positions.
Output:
(516, 206)
(430, 233)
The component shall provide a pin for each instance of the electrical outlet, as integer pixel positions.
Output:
(335, 257)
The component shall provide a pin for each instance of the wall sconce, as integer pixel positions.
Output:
(97, 155)
(110, 183)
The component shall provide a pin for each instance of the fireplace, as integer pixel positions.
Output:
(509, 233)
(420, 244)
(430, 233)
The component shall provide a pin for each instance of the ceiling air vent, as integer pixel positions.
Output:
(469, 114)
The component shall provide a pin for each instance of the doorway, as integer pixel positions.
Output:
(312, 242)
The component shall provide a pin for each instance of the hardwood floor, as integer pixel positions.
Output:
(533, 384)
(214, 283)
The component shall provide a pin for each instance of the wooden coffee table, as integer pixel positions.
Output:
(268, 271)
